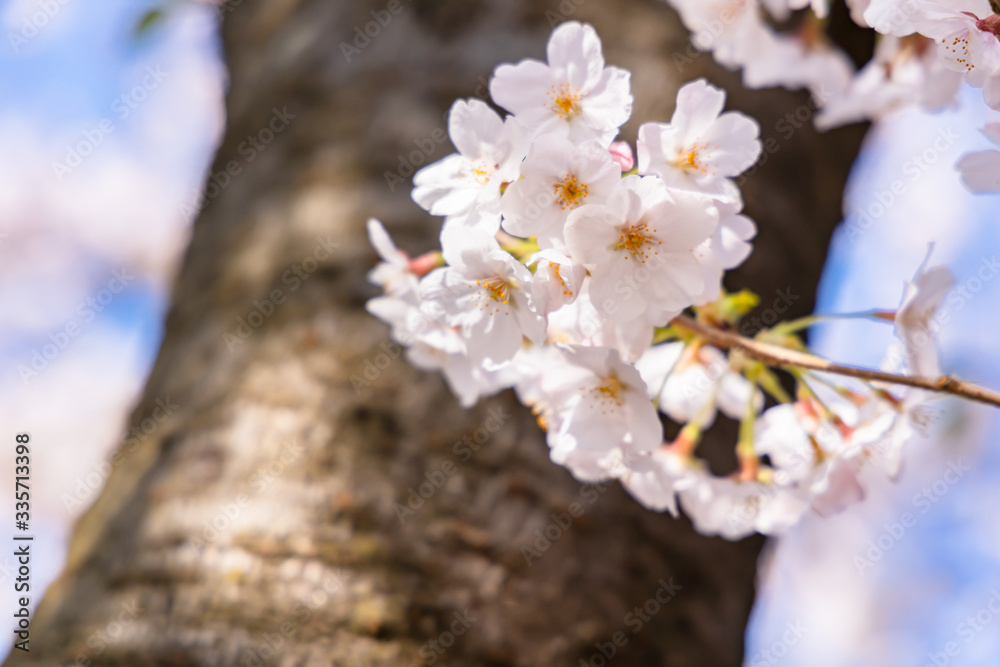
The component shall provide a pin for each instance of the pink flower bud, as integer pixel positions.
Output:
(621, 153)
(421, 266)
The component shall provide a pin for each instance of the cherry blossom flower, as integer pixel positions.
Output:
(393, 273)
(581, 322)
(699, 148)
(857, 9)
(812, 457)
(655, 478)
(468, 184)
(835, 486)
(886, 426)
(640, 247)
(803, 59)
(432, 346)
(558, 280)
(727, 28)
(966, 44)
(558, 178)
(604, 460)
(781, 436)
(905, 71)
(487, 294)
(921, 299)
(981, 170)
(685, 379)
(903, 17)
(621, 153)
(889, 17)
(600, 404)
(735, 509)
(574, 94)
(912, 417)
(726, 249)
(737, 34)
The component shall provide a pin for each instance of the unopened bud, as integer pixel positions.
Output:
(421, 266)
(621, 153)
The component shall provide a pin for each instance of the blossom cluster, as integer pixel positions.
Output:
(566, 260)
(925, 50)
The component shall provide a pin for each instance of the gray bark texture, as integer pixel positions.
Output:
(257, 525)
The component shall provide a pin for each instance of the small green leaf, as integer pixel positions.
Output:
(149, 20)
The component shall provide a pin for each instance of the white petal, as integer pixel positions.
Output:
(522, 89)
(575, 49)
(733, 144)
(590, 234)
(698, 105)
(446, 187)
(981, 171)
(474, 128)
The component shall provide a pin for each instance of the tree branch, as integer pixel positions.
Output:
(773, 355)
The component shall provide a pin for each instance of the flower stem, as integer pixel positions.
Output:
(781, 357)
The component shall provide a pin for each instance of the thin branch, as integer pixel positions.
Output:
(773, 355)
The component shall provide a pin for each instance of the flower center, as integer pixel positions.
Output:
(570, 193)
(638, 241)
(957, 47)
(481, 175)
(496, 289)
(612, 391)
(481, 171)
(690, 159)
(565, 102)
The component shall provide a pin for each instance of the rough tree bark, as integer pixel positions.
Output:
(257, 525)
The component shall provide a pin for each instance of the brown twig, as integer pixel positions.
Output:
(774, 355)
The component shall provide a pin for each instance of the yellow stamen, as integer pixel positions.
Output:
(497, 289)
(690, 159)
(570, 193)
(565, 102)
(555, 272)
(637, 240)
(612, 389)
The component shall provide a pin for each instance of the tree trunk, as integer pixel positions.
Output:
(259, 523)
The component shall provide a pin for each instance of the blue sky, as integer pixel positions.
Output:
(77, 65)
(65, 80)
